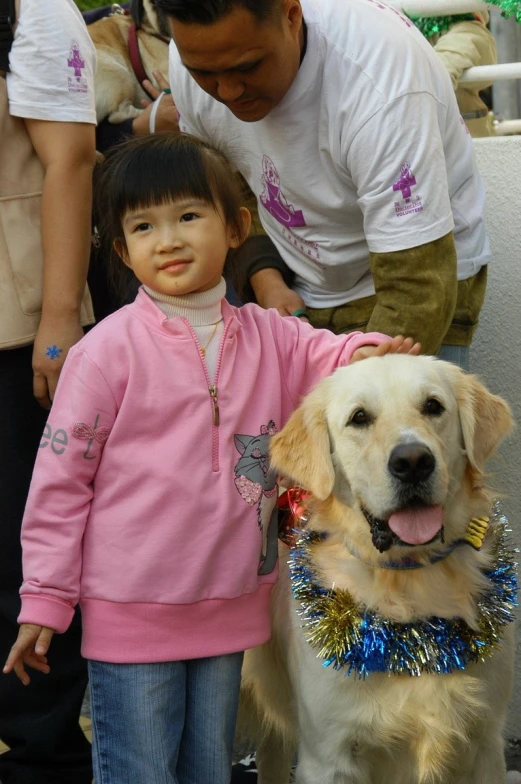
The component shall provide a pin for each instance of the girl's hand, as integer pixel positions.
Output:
(398, 345)
(30, 648)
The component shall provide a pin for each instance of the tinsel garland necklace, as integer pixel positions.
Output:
(436, 25)
(361, 641)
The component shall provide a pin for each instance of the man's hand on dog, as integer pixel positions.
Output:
(30, 648)
(167, 118)
(398, 345)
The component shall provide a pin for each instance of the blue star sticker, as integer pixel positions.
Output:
(53, 352)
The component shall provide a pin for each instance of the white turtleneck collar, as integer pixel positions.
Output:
(200, 309)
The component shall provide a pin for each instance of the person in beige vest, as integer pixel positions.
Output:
(464, 41)
(47, 154)
(466, 44)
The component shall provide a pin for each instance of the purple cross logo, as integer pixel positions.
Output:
(75, 60)
(405, 182)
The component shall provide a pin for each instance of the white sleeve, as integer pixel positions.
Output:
(52, 64)
(397, 163)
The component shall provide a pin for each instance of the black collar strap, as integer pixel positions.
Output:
(474, 536)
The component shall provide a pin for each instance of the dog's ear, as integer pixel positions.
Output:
(302, 449)
(485, 420)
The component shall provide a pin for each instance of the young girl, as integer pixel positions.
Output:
(152, 502)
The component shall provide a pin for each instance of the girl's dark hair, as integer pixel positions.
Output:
(157, 169)
(210, 11)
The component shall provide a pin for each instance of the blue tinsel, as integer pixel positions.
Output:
(362, 642)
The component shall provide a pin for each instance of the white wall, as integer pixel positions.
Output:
(496, 350)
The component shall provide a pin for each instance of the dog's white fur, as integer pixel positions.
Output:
(118, 92)
(432, 729)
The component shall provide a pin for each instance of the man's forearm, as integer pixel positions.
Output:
(416, 292)
(266, 280)
(255, 256)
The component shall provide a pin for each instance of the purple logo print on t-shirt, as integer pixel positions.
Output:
(405, 182)
(77, 83)
(274, 200)
(385, 7)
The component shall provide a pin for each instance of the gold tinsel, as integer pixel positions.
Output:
(358, 639)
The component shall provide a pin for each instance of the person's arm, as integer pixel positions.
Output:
(416, 292)
(166, 115)
(306, 355)
(109, 134)
(271, 287)
(67, 153)
(464, 45)
(61, 491)
(403, 192)
(57, 510)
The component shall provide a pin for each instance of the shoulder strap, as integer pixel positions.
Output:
(7, 20)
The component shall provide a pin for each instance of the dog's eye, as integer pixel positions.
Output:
(360, 418)
(433, 407)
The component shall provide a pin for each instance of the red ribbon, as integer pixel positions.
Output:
(293, 514)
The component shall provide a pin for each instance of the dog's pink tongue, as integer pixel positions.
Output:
(417, 526)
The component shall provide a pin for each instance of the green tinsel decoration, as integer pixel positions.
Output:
(436, 25)
(508, 8)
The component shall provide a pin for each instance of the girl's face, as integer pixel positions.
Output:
(179, 247)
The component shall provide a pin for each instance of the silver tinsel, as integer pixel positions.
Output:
(349, 636)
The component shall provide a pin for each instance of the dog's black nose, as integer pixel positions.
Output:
(411, 463)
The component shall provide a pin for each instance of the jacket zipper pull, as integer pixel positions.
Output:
(213, 393)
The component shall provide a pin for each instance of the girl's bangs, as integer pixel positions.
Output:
(153, 178)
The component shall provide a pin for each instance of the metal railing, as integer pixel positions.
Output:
(491, 73)
(437, 7)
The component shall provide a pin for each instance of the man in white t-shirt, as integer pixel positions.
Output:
(345, 125)
(47, 107)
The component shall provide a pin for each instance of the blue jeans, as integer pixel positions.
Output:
(459, 355)
(164, 723)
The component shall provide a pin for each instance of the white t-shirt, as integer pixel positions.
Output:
(52, 64)
(362, 152)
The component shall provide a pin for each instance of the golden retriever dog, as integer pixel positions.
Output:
(118, 91)
(393, 452)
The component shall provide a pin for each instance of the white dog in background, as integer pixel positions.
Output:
(393, 451)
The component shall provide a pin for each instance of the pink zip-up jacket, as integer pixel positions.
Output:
(152, 502)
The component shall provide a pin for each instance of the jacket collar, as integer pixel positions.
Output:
(148, 312)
